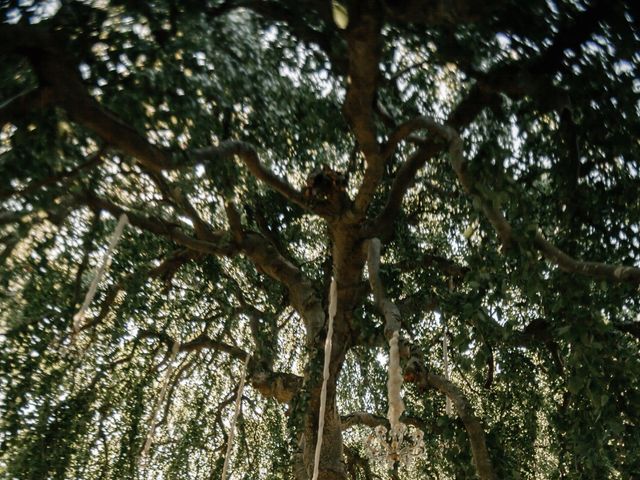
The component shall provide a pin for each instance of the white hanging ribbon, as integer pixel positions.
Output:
(153, 422)
(394, 382)
(333, 308)
(236, 413)
(99, 273)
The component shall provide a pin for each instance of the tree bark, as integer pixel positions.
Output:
(331, 454)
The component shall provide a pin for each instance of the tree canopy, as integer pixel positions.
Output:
(463, 170)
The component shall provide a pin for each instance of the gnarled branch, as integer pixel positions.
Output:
(270, 261)
(65, 86)
(282, 386)
(371, 420)
(249, 156)
(618, 273)
(88, 164)
(18, 107)
(422, 377)
(386, 306)
(219, 244)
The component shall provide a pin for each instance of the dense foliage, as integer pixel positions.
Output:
(256, 148)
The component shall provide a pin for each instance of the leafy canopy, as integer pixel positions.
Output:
(257, 147)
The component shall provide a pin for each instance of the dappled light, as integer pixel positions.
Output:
(319, 239)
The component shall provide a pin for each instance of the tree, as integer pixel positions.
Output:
(480, 157)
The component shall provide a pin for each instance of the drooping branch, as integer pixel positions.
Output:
(616, 273)
(249, 156)
(496, 217)
(82, 108)
(64, 85)
(19, 107)
(88, 164)
(476, 100)
(302, 294)
(204, 341)
(282, 386)
(219, 243)
(387, 307)
(370, 420)
(198, 343)
(531, 77)
(165, 271)
(269, 260)
(417, 373)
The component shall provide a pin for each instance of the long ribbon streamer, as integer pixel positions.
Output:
(394, 382)
(236, 413)
(333, 308)
(99, 272)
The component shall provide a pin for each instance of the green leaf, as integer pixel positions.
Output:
(340, 14)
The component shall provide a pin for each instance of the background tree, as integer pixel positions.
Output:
(258, 150)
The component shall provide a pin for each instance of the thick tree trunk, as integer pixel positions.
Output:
(331, 453)
(348, 262)
(331, 462)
